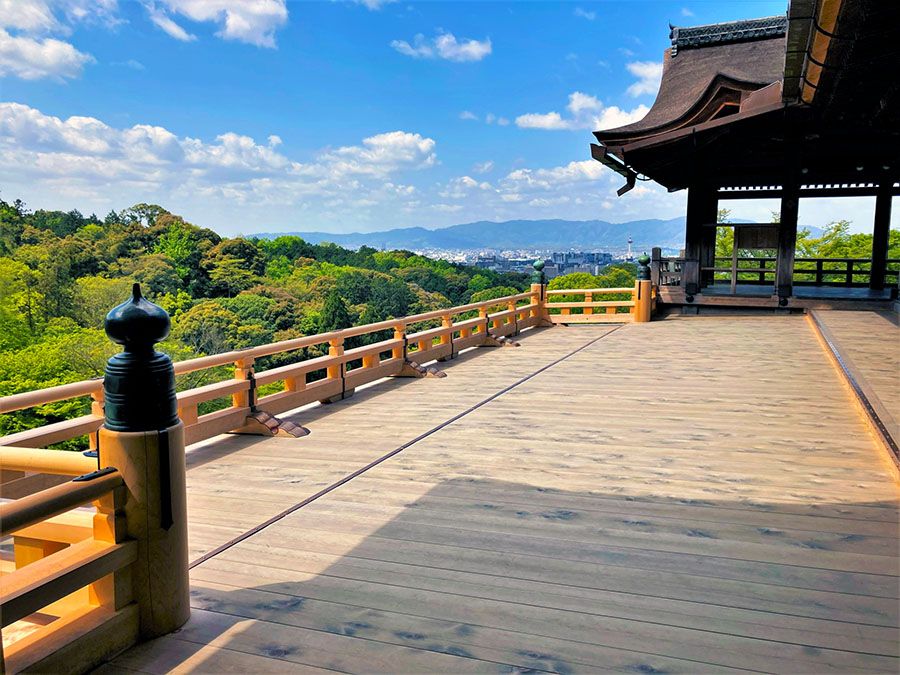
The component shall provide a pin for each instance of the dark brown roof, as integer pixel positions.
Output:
(706, 67)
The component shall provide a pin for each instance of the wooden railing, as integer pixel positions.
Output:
(847, 272)
(78, 571)
(592, 305)
(72, 566)
(322, 378)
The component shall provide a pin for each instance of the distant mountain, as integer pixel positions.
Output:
(514, 234)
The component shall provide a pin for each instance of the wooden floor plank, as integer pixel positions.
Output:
(633, 507)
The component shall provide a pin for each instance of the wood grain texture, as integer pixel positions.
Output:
(870, 344)
(690, 495)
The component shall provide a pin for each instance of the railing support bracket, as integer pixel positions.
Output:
(413, 369)
(265, 424)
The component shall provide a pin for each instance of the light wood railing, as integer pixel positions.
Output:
(323, 378)
(584, 305)
(68, 601)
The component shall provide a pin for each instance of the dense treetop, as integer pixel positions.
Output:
(60, 273)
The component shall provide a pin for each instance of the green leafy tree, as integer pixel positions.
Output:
(335, 315)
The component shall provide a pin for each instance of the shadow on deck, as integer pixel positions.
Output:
(610, 507)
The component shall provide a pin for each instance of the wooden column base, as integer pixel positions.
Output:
(266, 424)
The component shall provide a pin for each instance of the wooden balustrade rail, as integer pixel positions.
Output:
(586, 310)
(73, 568)
(761, 270)
(319, 378)
(332, 375)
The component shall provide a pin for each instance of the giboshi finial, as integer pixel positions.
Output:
(137, 323)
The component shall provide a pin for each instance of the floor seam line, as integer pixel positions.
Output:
(433, 430)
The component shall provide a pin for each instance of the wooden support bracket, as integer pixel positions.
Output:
(264, 424)
(413, 369)
(502, 341)
(337, 397)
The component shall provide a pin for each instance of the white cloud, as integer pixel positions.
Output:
(33, 16)
(373, 4)
(649, 74)
(134, 64)
(584, 112)
(483, 167)
(551, 120)
(613, 117)
(31, 58)
(584, 14)
(164, 22)
(87, 159)
(686, 12)
(444, 46)
(502, 121)
(468, 115)
(28, 48)
(251, 21)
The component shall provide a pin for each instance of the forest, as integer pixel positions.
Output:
(61, 272)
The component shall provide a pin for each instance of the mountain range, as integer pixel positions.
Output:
(513, 234)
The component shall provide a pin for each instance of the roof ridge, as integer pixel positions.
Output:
(725, 32)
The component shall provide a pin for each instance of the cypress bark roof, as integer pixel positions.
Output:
(707, 67)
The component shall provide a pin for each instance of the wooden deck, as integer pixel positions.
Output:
(869, 345)
(690, 495)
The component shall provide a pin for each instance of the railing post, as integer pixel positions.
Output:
(335, 348)
(483, 315)
(447, 322)
(655, 256)
(399, 352)
(144, 439)
(539, 290)
(642, 291)
(243, 370)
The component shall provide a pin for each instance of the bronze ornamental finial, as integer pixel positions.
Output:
(139, 384)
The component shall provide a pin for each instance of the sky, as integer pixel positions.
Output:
(264, 115)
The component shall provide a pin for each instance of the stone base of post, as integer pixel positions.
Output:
(153, 466)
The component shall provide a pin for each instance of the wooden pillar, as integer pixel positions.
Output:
(655, 255)
(881, 234)
(787, 241)
(642, 300)
(701, 211)
(152, 464)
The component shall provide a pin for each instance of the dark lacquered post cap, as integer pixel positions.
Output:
(643, 267)
(538, 276)
(139, 384)
(137, 323)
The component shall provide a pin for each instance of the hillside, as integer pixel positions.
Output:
(513, 234)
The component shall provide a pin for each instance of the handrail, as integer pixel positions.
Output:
(334, 375)
(580, 291)
(62, 392)
(58, 499)
(45, 461)
(30, 399)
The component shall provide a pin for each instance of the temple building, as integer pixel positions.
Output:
(787, 107)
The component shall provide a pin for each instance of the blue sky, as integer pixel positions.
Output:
(261, 115)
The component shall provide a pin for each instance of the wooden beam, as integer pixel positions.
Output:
(881, 234)
(787, 241)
